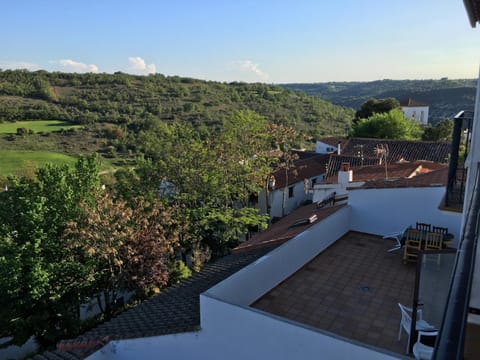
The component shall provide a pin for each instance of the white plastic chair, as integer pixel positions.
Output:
(406, 323)
(397, 236)
(422, 351)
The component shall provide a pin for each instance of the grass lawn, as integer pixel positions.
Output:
(14, 162)
(36, 126)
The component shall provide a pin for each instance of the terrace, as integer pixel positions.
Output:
(332, 288)
(351, 289)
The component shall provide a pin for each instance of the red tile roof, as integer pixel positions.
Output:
(304, 169)
(394, 171)
(334, 140)
(335, 162)
(412, 102)
(433, 178)
(175, 310)
(356, 149)
(283, 230)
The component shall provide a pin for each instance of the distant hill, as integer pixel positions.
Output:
(446, 97)
(115, 111)
(131, 100)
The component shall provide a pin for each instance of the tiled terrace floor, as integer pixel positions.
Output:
(351, 289)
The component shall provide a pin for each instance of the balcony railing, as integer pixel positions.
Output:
(457, 174)
(451, 339)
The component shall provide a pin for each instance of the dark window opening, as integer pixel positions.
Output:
(290, 192)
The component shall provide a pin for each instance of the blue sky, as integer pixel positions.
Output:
(272, 41)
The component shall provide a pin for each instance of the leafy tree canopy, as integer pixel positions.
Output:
(376, 106)
(442, 131)
(390, 125)
(38, 282)
(64, 240)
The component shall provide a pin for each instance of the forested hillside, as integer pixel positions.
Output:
(445, 97)
(135, 101)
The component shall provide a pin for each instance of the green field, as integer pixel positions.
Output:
(14, 162)
(36, 126)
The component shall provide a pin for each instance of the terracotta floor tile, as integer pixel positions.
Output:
(351, 289)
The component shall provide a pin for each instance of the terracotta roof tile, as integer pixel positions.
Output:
(433, 178)
(334, 140)
(335, 163)
(60, 355)
(399, 150)
(285, 229)
(176, 309)
(412, 102)
(394, 171)
(304, 168)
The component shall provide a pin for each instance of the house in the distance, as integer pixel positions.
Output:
(292, 187)
(416, 110)
(289, 187)
(359, 152)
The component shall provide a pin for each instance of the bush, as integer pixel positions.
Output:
(24, 131)
(179, 272)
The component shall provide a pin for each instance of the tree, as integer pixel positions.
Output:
(376, 106)
(442, 131)
(391, 125)
(40, 287)
(211, 179)
(283, 139)
(125, 247)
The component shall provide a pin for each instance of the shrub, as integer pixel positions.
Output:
(179, 272)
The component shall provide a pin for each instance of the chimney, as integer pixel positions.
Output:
(345, 175)
(339, 148)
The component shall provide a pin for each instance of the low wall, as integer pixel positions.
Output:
(383, 211)
(250, 283)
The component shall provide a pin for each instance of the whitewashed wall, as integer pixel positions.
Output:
(236, 333)
(322, 148)
(420, 113)
(299, 197)
(232, 330)
(18, 352)
(383, 211)
(253, 281)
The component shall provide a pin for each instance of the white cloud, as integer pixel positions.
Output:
(250, 67)
(18, 65)
(75, 66)
(139, 66)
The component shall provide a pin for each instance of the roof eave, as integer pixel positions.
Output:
(472, 11)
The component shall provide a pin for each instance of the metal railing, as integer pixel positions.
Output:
(451, 338)
(456, 171)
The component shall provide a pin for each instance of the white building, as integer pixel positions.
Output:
(289, 188)
(415, 110)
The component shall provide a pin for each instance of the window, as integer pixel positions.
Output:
(314, 181)
(290, 192)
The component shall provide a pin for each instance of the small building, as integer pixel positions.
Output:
(290, 187)
(416, 110)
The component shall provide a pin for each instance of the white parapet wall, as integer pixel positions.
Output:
(246, 333)
(383, 211)
(230, 329)
(256, 279)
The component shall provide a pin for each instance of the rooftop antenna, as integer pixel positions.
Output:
(382, 151)
(360, 152)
